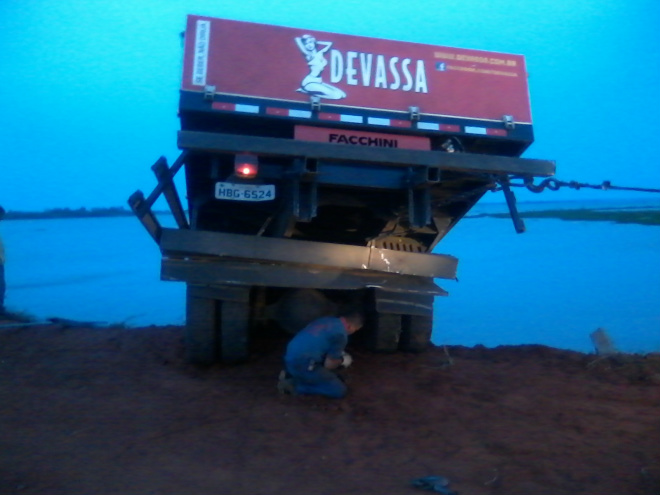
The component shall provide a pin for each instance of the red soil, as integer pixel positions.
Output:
(88, 411)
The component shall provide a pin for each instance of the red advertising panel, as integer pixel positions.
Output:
(288, 64)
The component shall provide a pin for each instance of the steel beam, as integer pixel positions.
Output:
(242, 273)
(268, 249)
(465, 162)
(409, 304)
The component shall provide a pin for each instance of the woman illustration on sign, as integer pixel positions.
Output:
(315, 56)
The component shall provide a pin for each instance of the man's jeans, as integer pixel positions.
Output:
(316, 381)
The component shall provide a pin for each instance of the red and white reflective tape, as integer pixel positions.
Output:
(235, 107)
(388, 122)
(358, 119)
(485, 131)
(340, 117)
(289, 112)
(435, 126)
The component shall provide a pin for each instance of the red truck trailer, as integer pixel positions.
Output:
(323, 169)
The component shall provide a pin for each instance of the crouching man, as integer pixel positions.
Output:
(314, 355)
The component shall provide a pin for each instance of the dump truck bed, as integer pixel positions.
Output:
(282, 74)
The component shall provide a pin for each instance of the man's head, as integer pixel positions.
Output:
(353, 320)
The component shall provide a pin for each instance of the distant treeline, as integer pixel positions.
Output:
(117, 211)
(643, 217)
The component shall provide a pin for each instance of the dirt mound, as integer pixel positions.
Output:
(114, 410)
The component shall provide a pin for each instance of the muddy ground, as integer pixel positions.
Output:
(88, 411)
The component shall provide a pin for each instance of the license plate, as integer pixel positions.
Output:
(244, 192)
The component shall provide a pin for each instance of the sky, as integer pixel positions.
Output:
(89, 89)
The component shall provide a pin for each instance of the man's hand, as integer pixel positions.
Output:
(332, 364)
(346, 360)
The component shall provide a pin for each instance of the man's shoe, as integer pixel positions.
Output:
(285, 384)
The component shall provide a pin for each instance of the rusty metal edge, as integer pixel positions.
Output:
(250, 248)
(243, 273)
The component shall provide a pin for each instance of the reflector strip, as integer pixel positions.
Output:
(378, 121)
(289, 112)
(450, 127)
(302, 114)
(329, 116)
(429, 126)
(339, 117)
(357, 119)
(235, 107)
(219, 105)
(476, 130)
(284, 112)
(247, 108)
(400, 123)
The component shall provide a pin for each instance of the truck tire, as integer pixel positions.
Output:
(298, 307)
(385, 332)
(201, 340)
(416, 333)
(216, 329)
(233, 331)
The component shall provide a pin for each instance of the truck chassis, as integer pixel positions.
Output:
(235, 275)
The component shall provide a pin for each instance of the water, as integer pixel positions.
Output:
(553, 285)
(105, 270)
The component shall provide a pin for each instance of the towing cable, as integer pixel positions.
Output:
(556, 184)
(497, 183)
(505, 184)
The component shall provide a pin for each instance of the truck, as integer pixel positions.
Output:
(322, 171)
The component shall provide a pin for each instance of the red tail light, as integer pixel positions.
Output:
(246, 166)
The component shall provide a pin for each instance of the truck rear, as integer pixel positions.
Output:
(323, 170)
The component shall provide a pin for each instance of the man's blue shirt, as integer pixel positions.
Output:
(324, 337)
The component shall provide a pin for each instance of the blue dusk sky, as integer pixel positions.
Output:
(90, 89)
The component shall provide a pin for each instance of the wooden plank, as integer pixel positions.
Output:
(166, 180)
(467, 162)
(158, 190)
(307, 252)
(145, 215)
(243, 273)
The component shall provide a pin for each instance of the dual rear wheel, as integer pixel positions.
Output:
(219, 321)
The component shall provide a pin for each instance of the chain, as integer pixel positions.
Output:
(556, 184)
(496, 183)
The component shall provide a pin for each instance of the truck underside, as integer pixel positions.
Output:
(348, 225)
(329, 179)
